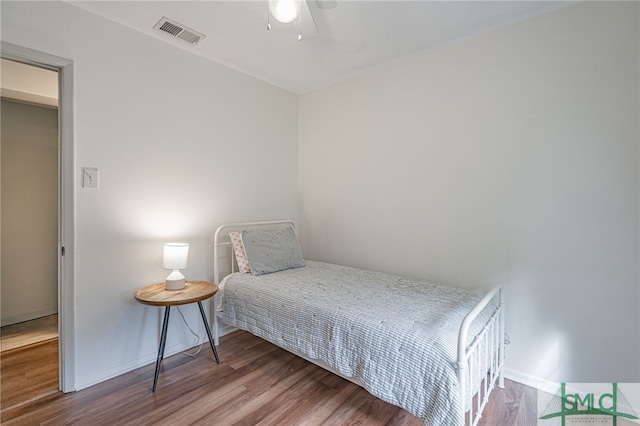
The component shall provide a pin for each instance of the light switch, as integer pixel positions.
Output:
(89, 177)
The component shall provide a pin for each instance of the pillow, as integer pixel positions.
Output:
(241, 255)
(275, 251)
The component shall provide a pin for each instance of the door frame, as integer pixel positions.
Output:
(66, 210)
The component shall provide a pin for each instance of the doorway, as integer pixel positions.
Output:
(65, 241)
(29, 150)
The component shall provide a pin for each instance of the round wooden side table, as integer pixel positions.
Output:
(193, 292)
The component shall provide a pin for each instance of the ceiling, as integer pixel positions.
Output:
(353, 36)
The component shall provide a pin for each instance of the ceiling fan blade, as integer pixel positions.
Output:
(326, 4)
(306, 25)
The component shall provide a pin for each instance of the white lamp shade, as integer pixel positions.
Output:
(284, 11)
(175, 255)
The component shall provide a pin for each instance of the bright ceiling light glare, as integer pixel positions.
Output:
(284, 11)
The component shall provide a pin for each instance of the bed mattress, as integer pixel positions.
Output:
(396, 336)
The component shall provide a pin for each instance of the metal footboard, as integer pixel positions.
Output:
(481, 362)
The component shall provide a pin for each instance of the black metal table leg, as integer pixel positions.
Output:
(163, 343)
(206, 326)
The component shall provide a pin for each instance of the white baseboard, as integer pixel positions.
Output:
(532, 381)
(226, 329)
(28, 316)
(125, 367)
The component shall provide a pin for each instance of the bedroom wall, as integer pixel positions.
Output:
(511, 157)
(182, 145)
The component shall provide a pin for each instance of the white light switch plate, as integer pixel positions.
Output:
(90, 177)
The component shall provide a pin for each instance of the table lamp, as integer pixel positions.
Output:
(174, 257)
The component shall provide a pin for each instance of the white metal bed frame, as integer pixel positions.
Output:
(481, 360)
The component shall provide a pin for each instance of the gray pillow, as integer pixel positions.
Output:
(274, 251)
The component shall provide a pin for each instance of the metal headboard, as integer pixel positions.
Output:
(221, 240)
(217, 237)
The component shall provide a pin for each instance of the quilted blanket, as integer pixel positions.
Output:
(397, 335)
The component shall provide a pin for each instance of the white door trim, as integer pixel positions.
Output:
(66, 223)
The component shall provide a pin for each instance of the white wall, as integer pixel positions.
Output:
(510, 157)
(29, 143)
(182, 144)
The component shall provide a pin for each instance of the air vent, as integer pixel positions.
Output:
(180, 31)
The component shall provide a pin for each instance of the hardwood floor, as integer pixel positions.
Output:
(255, 383)
(28, 372)
(28, 361)
(28, 332)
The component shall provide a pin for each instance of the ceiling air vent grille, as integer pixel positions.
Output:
(180, 31)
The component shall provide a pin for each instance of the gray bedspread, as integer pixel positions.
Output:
(398, 336)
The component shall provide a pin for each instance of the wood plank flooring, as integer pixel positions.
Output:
(28, 372)
(28, 332)
(255, 383)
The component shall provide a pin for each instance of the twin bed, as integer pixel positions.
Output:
(437, 351)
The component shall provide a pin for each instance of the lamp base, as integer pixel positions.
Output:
(174, 281)
(175, 284)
